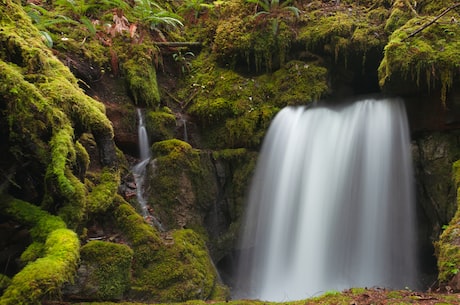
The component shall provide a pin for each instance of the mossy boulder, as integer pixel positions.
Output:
(104, 272)
(181, 184)
(448, 245)
(184, 270)
(160, 124)
(234, 111)
(175, 267)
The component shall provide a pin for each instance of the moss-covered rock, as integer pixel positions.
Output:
(181, 183)
(343, 30)
(104, 272)
(46, 111)
(234, 111)
(448, 246)
(184, 270)
(424, 53)
(160, 125)
(175, 269)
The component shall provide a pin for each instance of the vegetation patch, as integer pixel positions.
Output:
(448, 245)
(44, 276)
(109, 268)
(424, 52)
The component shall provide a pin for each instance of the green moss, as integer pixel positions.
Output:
(33, 251)
(183, 270)
(235, 111)
(137, 231)
(4, 282)
(160, 125)
(142, 82)
(176, 269)
(45, 275)
(431, 56)
(298, 83)
(110, 264)
(262, 40)
(101, 196)
(399, 15)
(343, 32)
(45, 107)
(448, 245)
(174, 148)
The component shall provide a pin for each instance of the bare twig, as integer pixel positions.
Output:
(432, 21)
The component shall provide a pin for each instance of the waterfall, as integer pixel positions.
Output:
(139, 172)
(331, 204)
(144, 147)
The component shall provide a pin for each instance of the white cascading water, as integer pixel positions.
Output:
(139, 171)
(331, 204)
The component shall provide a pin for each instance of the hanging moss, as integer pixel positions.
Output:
(234, 111)
(344, 31)
(430, 57)
(142, 82)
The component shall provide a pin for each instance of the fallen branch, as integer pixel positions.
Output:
(432, 21)
(177, 44)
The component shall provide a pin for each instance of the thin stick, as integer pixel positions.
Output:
(432, 21)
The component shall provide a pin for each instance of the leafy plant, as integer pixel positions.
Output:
(183, 60)
(196, 7)
(274, 7)
(154, 15)
(274, 10)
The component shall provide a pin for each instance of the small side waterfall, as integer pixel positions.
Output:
(144, 146)
(331, 205)
(139, 172)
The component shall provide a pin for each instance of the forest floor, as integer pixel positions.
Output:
(355, 296)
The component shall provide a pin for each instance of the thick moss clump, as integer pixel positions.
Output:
(260, 39)
(160, 125)
(103, 189)
(184, 270)
(448, 246)
(181, 183)
(45, 111)
(142, 81)
(234, 111)
(57, 262)
(175, 269)
(428, 55)
(343, 30)
(108, 267)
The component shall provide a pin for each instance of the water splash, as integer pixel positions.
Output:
(331, 205)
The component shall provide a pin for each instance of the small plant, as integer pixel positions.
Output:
(154, 16)
(184, 60)
(274, 7)
(274, 10)
(196, 7)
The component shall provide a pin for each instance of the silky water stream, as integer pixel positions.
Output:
(331, 204)
(139, 172)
